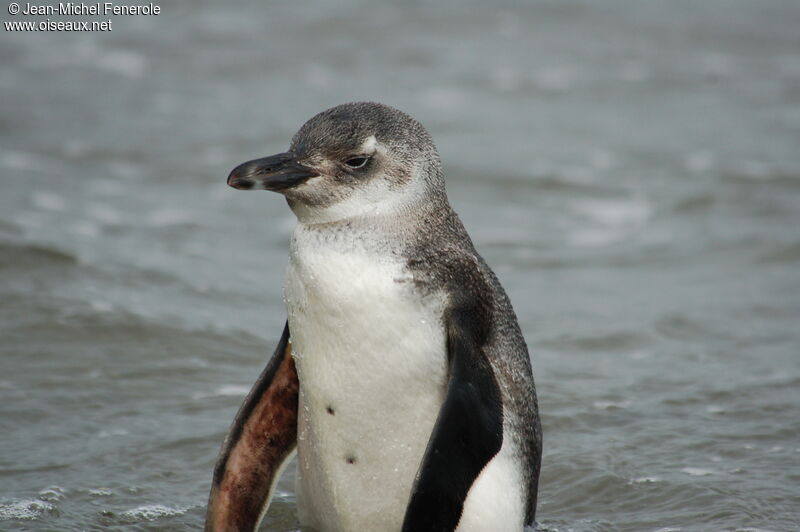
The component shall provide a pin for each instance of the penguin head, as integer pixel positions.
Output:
(355, 159)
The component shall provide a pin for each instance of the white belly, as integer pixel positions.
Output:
(370, 356)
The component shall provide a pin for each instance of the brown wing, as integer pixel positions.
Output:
(261, 439)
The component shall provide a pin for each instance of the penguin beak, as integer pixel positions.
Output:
(277, 172)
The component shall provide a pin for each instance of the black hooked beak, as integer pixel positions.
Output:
(277, 172)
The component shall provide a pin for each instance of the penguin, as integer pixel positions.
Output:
(401, 379)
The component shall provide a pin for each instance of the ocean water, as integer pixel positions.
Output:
(631, 170)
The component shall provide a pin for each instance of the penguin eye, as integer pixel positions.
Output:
(357, 162)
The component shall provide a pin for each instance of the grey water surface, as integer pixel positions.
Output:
(631, 170)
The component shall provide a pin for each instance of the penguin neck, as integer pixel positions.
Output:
(373, 207)
(381, 232)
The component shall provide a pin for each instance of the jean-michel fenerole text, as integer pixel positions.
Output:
(99, 8)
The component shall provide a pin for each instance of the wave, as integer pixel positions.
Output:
(151, 512)
(24, 509)
(13, 254)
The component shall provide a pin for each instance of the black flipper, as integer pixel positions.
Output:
(261, 439)
(467, 434)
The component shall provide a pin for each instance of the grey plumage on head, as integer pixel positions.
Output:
(344, 127)
(353, 160)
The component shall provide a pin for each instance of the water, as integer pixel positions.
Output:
(630, 169)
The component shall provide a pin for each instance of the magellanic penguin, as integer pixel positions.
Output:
(402, 378)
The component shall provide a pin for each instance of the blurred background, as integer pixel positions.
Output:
(631, 170)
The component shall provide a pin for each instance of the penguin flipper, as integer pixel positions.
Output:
(260, 441)
(467, 435)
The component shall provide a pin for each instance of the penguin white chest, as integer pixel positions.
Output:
(370, 352)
